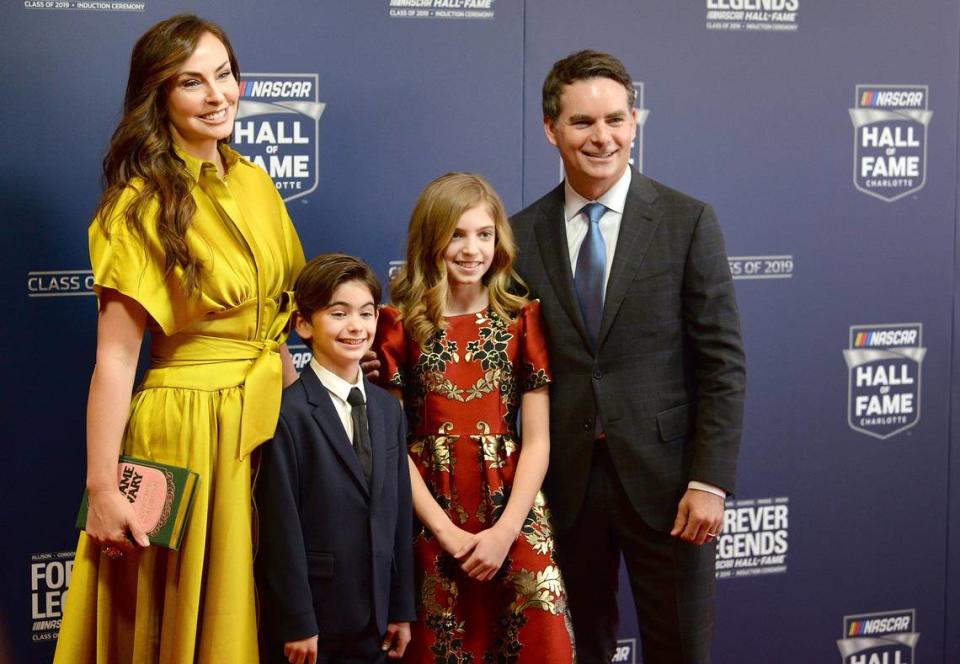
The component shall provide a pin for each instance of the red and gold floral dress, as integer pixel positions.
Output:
(462, 394)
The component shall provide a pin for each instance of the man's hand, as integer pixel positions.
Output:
(396, 639)
(303, 651)
(699, 517)
(370, 366)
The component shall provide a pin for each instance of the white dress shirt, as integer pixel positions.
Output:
(338, 389)
(577, 225)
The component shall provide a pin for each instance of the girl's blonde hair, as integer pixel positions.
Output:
(420, 288)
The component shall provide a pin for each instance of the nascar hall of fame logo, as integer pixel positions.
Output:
(636, 150)
(59, 283)
(754, 540)
(890, 139)
(636, 156)
(49, 581)
(277, 128)
(889, 637)
(884, 392)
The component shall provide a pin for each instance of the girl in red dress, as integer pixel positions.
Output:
(465, 353)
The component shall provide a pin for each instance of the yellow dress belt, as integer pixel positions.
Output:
(209, 363)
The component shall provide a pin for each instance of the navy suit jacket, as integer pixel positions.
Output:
(668, 375)
(334, 553)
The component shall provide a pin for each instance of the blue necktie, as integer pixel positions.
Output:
(591, 265)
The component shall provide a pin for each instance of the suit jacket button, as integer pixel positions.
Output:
(587, 425)
(597, 374)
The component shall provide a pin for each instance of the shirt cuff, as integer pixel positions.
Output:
(709, 488)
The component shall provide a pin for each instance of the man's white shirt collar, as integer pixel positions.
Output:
(613, 198)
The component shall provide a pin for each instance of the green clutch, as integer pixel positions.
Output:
(161, 496)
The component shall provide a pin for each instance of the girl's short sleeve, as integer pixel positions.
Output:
(121, 260)
(391, 348)
(534, 357)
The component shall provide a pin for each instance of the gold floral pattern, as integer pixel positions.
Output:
(537, 529)
(494, 449)
(489, 351)
(543, 589)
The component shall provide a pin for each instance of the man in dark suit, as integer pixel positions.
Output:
(335, 564)
(649, 372)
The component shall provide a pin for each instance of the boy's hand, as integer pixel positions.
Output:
(396, 639)
(370, 365)
(303, 651)
(492, 547)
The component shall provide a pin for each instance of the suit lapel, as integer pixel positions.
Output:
(327, 418)
(637, 226)
(551, 234)
(378, 439)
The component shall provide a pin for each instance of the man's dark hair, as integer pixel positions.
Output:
(581, 66)
(322, 275)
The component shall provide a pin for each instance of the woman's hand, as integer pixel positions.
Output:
(456, 541)
(120, 329)
(110, 517)
(492, 546)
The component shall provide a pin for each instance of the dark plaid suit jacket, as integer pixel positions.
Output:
(668, 376)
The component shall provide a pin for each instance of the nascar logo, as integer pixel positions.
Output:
(890, 139)
(879, 638)
(277, 127)
(884, 363)
(301, 355)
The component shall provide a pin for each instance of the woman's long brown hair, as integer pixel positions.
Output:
(141, 152)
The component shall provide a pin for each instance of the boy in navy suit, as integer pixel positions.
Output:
(335, 560)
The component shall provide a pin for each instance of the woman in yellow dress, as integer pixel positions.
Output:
(192, 243)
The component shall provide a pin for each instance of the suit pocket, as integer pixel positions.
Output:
(676, 422)
(321, 565)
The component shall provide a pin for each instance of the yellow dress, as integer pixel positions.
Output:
(210, 396)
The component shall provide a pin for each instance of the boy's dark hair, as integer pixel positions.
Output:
(323, 274)
(582, 66)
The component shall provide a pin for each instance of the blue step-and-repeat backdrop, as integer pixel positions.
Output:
(824, 133)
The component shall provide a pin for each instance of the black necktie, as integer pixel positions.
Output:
(361, 430)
